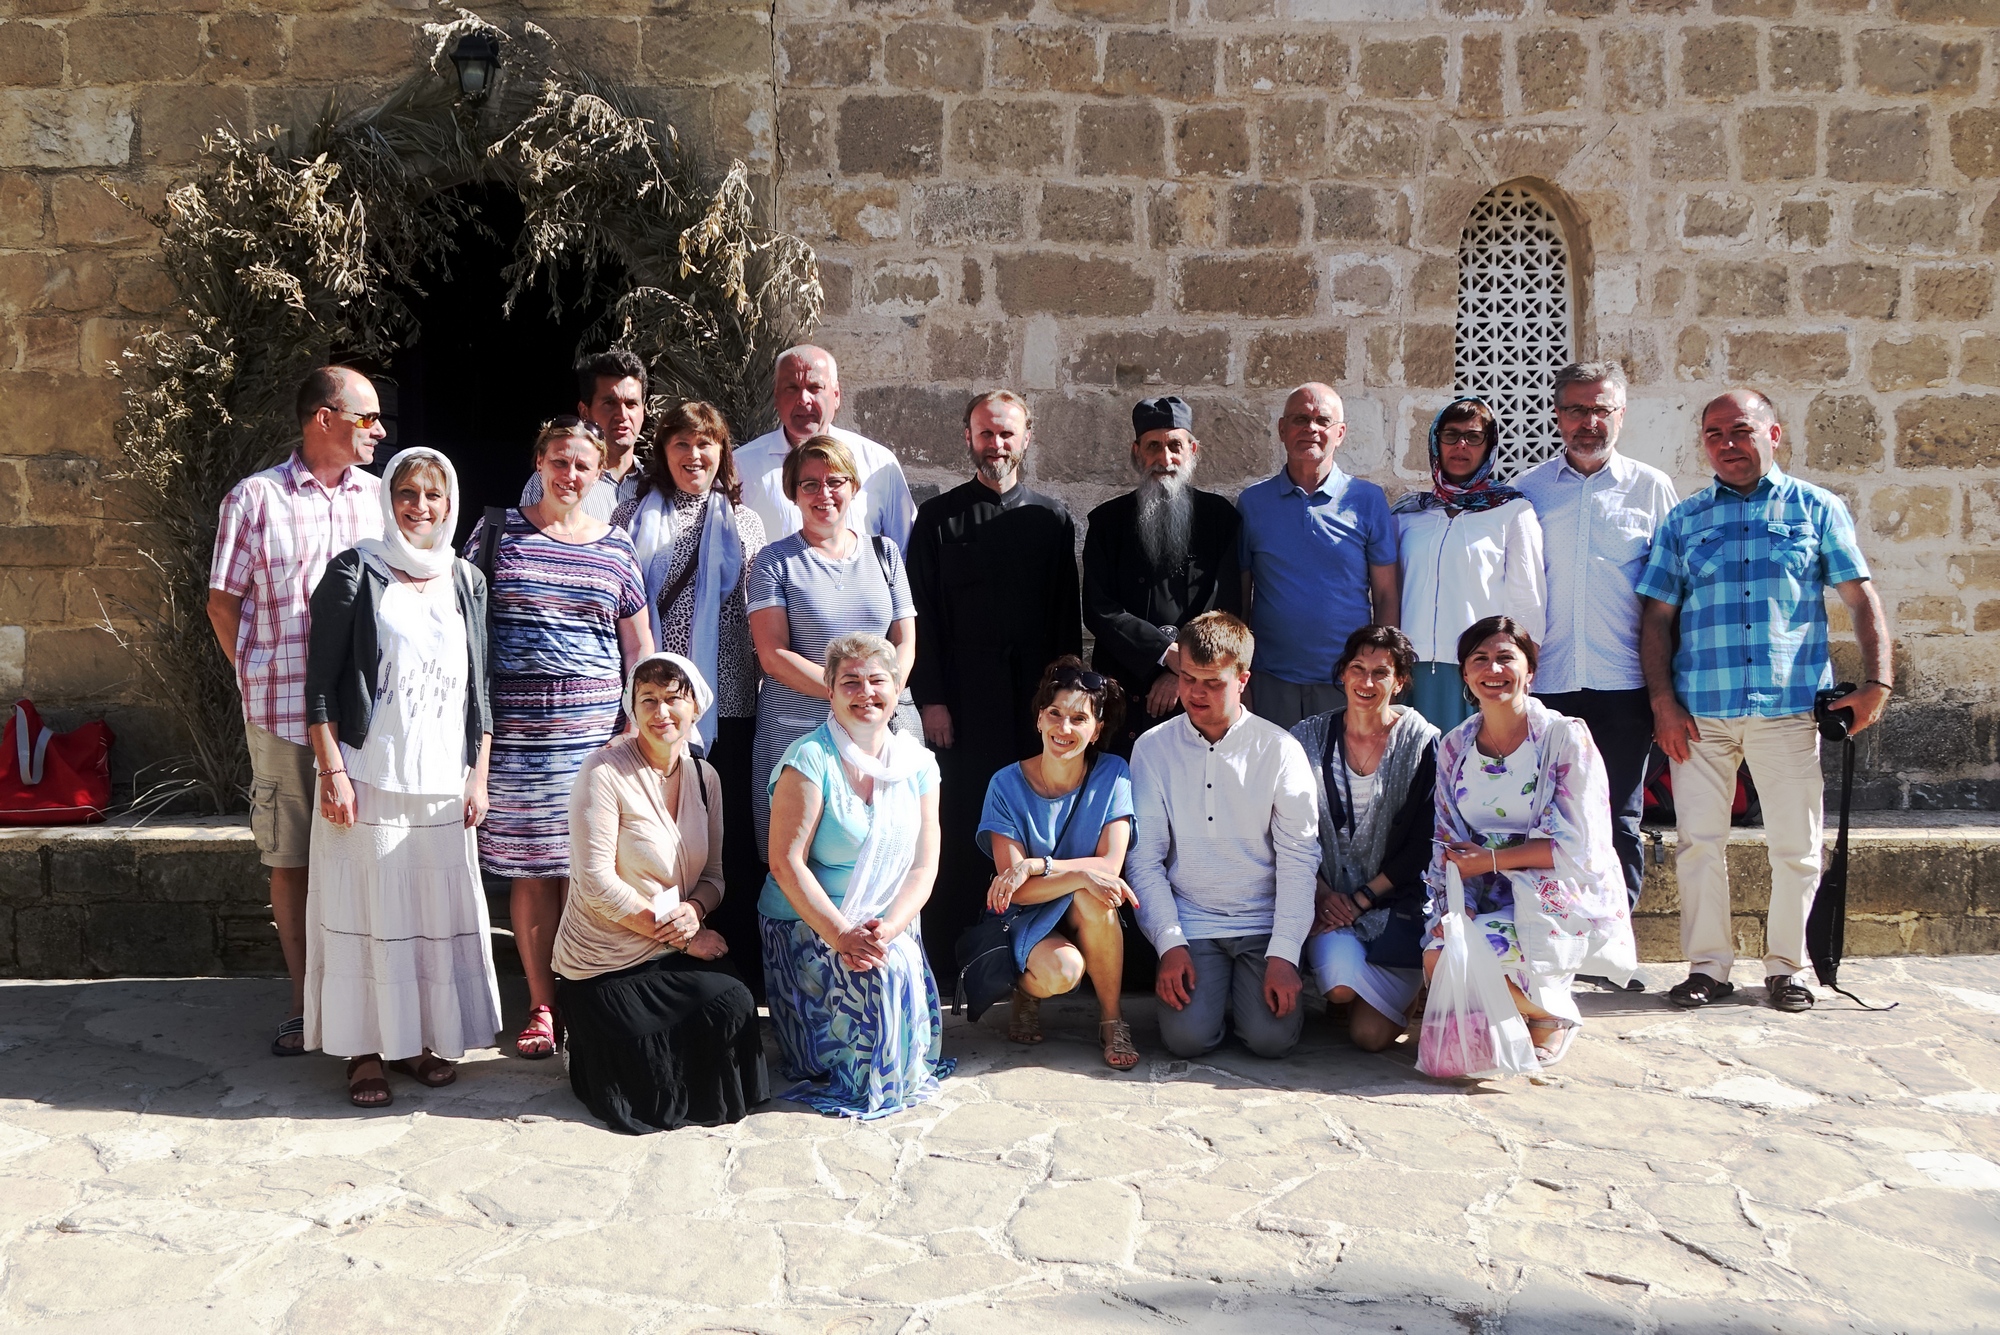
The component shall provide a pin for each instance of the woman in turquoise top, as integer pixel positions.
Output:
(853, 852)
(1057, 826)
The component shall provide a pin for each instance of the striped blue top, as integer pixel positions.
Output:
(1749, 574)
(556, 605)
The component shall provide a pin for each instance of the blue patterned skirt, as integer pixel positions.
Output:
(544, 728)
(875, 1037)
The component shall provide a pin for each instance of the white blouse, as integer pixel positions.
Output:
(416, 735)
(1458, 569)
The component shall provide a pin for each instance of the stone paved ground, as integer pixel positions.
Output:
(1728, 1171)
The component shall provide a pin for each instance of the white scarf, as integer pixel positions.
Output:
(394, 547)
(719, 567)
(889, 850)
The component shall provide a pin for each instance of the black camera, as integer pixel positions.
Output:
(1834, 724)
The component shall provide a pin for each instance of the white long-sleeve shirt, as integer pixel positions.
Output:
(881, 504)
(1458, 569)
(1225, 835)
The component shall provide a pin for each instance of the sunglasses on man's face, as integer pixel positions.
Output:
(362, 420)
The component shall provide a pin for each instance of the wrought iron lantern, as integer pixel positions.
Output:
(477, 55)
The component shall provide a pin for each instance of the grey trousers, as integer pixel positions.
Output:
(1287, 702)
(1229, 987)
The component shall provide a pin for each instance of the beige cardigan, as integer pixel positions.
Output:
(623, 846)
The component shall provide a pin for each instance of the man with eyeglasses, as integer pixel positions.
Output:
(611, 405)
(1599, 510)
(806, 387)
(993, 575)
(278, 530)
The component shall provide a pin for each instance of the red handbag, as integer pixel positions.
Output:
(53, 778)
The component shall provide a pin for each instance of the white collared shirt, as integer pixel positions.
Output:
(1225, 835)
(1596, 531)
(1458, 569)
(881, 503)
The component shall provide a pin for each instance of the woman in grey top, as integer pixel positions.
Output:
(809, 589)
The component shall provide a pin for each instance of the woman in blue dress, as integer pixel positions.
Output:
(1057, 826)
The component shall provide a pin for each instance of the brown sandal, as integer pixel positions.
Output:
(429, 1069)
(370, 1092)
(1024, 1019)
(1120, 1054)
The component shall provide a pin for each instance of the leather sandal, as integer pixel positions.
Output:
(370, 1091)
(1786, 994)
(429, 1069)
(540, 1037)
(1698, 990)
(1120, 1053)
(1024, 1019)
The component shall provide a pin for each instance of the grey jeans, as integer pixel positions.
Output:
(1286, 702)
(1229, 987)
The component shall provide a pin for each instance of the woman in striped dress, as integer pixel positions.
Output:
(569, 620)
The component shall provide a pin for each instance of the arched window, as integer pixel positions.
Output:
(1514, 324)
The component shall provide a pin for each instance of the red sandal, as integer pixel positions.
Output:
(541, 1037)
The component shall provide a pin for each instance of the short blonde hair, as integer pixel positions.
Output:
(862, 646)
(552, 433)
(828, 451)
(1214, 637)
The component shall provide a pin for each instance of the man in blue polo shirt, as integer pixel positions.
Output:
(1740, 570)
(1319, 561)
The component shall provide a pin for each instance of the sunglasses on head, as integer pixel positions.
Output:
(571, 422)
(1076, 679)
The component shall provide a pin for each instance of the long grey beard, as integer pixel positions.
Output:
(1166, 519)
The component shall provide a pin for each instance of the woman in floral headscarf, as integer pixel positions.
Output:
(1470, 547)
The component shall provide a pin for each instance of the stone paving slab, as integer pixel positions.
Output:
(1732, 1170)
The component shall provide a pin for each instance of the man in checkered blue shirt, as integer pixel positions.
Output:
(1740, 570)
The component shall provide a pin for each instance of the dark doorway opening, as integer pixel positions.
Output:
(476, 384)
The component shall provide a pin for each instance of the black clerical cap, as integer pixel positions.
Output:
(1167, 413)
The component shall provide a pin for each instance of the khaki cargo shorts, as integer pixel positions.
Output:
(282, 779)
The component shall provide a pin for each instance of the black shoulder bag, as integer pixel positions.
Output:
(985, 950)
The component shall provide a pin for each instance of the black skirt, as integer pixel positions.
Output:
(669, 1043)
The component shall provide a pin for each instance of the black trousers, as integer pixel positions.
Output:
(1621, 723)
(742, 861)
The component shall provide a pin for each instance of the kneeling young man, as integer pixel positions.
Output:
(1224, 848)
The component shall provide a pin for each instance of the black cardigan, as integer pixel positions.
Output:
(343, 655)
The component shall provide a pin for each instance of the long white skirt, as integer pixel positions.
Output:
(399, 954)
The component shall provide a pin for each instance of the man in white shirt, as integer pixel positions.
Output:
(611, 402)
(1225, 845)
(1599, 510)
(807, 391)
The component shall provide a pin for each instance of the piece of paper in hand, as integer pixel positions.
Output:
(664, 902)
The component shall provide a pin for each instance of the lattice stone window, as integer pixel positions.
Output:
(1514, 319)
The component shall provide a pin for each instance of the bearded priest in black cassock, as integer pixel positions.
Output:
(993, 573)
(1153, 560)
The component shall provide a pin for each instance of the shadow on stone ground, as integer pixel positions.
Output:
(1727, 1170)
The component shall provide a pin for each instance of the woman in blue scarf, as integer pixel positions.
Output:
(1470, 548)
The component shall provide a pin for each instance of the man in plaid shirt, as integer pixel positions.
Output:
(279, 528)
(1739, 570)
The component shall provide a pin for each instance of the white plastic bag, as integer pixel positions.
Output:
(1472, 1028)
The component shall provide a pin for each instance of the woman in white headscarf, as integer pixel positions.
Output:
(399, 962)
(662, 1030)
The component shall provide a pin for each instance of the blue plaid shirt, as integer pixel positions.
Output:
(1749, 574)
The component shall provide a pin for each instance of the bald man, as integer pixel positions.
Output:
(1733, 642)
(1318, 553)
(807, 390)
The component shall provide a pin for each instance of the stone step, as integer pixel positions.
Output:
(189, 898)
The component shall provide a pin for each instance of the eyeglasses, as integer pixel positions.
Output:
(813, 486)
(362, 420)
(1075, 679)
(1461, 437)
(1584, 412)
(571, 422)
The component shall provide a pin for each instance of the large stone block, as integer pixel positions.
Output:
(986, 11)
(1872, 291)
(1168, 357)
(958, 213)
(1887, 145)
(1920, 362)
(1900, 63)
(1370, 143)
(936, 55)
(1719, 215)
(31, 56)
(249, 945)
(86, 214)
(23, 210)
(1352, 213)
(1238, 443)
(1006, 136)
(348, 48)
(1365, 287)
(1265, 215)
(1690, 150)
(1554, 67)
(702, 48)
(1183, 215)
(1634, 69)
(1805, 60)
(62, 545)
(1087, 438)
(1159, 64)
(606, 46)
(827, 55)
(178, 940)
(1719, 63)
(1741, 288)
(49, 413)
(1212, 142)
(75, 664)
(1983, 12)
(82, 127)
(857, 216)
(1259, 285)
(1804, 224)
(1904, 513)
(924, 426)
(1952, 291)
(248, 48)
(208, 874)
(1979, 359)
(1049, 283)
(1482, 77)
(1975, 142)
(1264, 63)
(1120, 139)
(1283, 359)
(1843, 433)
(1949, 431)
(1117, 11)
(48, 942)
(21, 878)
(1766, 357)
(1778, 143)
(1045, 59)
(805, 136)
(1916, 221)
(896, 135)
(905, 287)
(174, 122)
(976, 352)
(1081, 213)
(1291, 138)
(1403, 70)
(134, 48)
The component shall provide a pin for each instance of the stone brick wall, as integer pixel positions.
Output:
(1091, 199)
